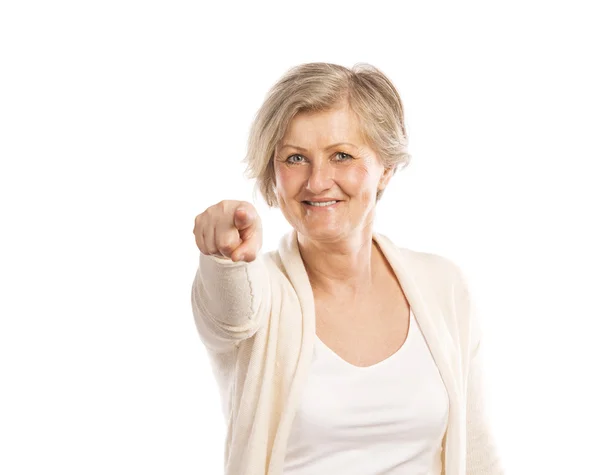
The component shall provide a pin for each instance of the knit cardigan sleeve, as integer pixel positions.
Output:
(230, 300)
(482, 456)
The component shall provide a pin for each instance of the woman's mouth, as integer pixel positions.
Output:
(321, 204)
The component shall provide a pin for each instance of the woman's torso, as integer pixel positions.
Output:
(374, 398)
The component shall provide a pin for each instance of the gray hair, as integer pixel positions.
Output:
(319, 87)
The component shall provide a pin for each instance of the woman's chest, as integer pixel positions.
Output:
(366, 333)
(398, 408)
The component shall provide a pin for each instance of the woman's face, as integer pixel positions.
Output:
(326, 175)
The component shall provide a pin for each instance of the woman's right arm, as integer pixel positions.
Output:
(230, 292)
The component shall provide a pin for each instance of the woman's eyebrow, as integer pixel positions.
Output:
(326, 148)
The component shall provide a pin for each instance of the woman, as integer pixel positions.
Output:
(339, 353)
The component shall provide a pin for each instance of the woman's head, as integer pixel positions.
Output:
(312, 107)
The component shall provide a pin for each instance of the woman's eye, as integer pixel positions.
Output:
(292, 158)
(343, 156)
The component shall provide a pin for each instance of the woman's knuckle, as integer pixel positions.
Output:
(225, 244)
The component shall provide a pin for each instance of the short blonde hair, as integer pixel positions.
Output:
(319, 87)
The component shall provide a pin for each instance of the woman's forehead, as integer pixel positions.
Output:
(316, 128)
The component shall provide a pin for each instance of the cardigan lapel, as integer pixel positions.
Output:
(296, 272)
(432, 325)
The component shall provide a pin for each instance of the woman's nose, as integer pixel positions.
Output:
(320, 179)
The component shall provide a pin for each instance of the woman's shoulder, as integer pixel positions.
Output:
(439, 279)
(420, 261)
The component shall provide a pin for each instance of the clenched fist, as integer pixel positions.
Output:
(229, 229)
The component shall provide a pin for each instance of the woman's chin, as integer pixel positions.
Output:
(323, 232)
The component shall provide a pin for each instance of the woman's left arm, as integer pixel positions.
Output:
(482, 456)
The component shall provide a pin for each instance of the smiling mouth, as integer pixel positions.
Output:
(321, 204)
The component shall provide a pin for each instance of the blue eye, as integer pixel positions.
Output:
(297, 158)
(343, 156)
(290, 158)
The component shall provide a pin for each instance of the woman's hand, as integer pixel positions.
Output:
(230, 229)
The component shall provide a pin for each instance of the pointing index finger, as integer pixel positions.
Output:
(242, 218)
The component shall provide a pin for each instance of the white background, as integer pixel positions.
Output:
(120, 121)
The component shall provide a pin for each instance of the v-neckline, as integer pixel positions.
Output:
(396, 354)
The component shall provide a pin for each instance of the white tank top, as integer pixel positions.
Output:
(384, 419)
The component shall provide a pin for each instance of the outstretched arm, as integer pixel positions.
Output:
(230, 292)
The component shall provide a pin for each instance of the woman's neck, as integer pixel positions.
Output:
(341, 268)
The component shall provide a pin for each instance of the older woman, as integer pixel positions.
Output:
(340, 352)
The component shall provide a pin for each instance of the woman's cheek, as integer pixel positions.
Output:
(356, 178)
(288, 180)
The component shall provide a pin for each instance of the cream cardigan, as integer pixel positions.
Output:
(257, 322)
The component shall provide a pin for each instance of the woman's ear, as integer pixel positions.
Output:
(386, 176)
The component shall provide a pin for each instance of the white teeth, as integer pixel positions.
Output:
(321, 203)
